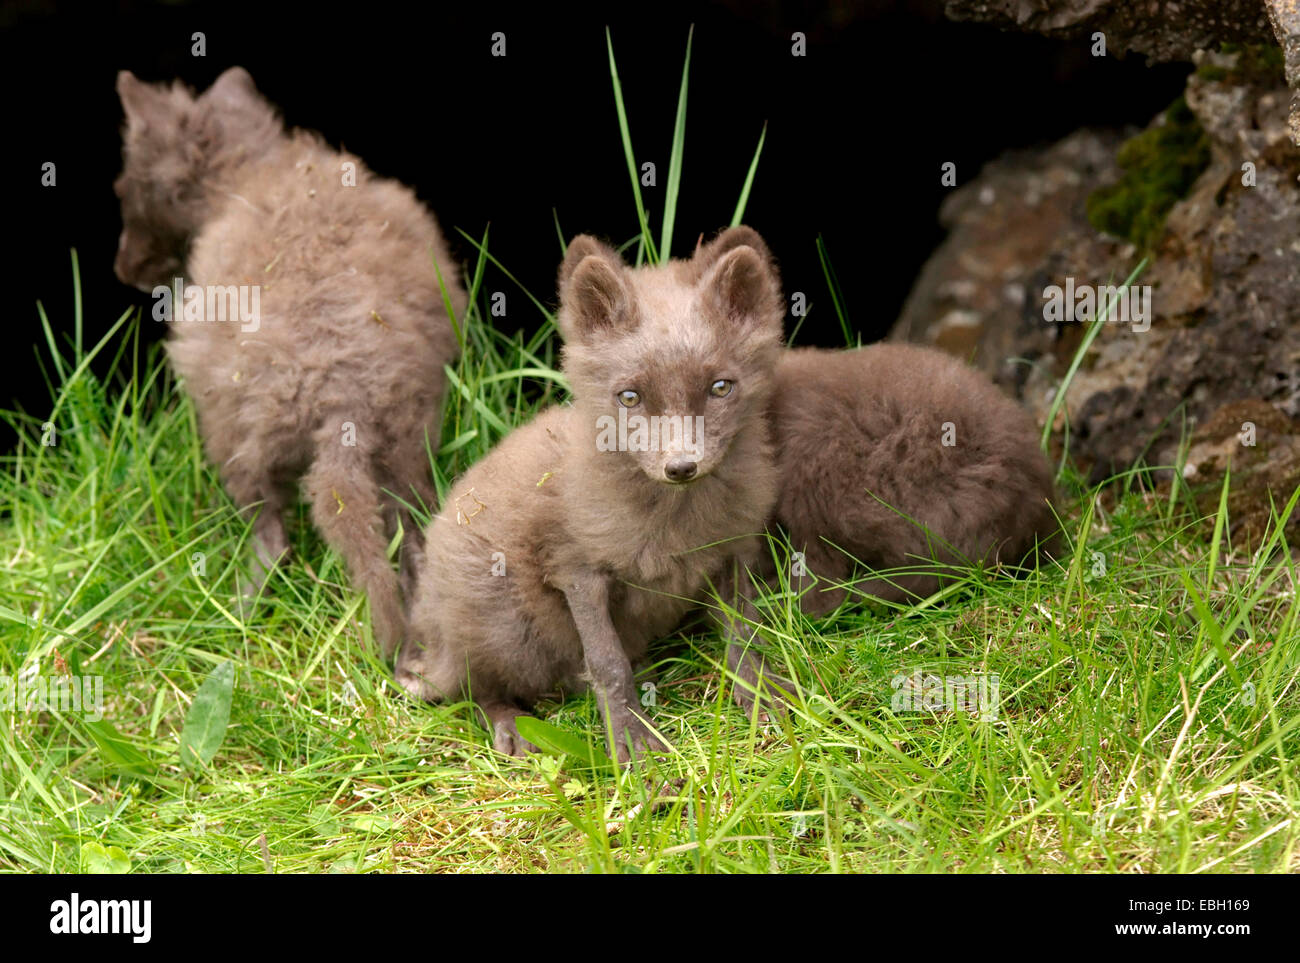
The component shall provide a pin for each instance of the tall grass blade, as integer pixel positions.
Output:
(675, 159)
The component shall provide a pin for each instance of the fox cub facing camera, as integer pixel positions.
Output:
(586, 534)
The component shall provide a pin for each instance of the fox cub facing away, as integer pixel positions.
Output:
(557, 556)
(335, 375)
(585, 534)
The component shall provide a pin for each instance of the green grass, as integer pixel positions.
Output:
(1148, 717)
(1147, 722)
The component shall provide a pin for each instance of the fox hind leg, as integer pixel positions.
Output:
(346, 508)
(248, 487)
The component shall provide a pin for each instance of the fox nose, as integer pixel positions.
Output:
(680, 470)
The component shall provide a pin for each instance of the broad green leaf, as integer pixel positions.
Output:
(104, 860)
(371, 823)
(548, 738)
(205, 726)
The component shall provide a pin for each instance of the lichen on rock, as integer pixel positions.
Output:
(1160, 166)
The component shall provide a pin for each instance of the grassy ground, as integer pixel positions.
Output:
(1147, 719)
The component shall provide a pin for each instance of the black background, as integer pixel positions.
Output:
(857, 129)
(389, 916)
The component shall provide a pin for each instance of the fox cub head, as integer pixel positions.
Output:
(670, 364)
(175, 146)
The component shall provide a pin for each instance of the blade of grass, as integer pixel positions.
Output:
(1088, 339)
(1220, 520)
(564, 245)
(646, 239)
(76, 306)
(837, 296)
(675, 159)
(739, 214)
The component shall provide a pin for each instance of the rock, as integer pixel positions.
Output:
(1260, 446)
(1161, 29)
(1284, 15)
(1224, 283)
(981, 288)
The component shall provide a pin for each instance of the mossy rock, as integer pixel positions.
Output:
(1263, 64)
(1160, 166)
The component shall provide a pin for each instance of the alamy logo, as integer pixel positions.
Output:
(1085, 302)
(130, 916)
(976, 694)
(677, 433)
(60, 694)
(212, 302)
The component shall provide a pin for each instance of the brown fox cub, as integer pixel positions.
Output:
(897, 456)
(586, 534)
(894, 457)
(331, 369)
(888, 457)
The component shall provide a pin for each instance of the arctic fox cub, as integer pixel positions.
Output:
(581, 538)
(306, 317)
(899, 468)
(590, 531)
(897, 457)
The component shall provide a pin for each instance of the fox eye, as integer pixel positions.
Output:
(721, 388)
(629, 398)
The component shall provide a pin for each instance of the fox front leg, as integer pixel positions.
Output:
(756, 684)
(608, 666)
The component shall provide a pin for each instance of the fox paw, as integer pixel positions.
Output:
(633, 738)
(415, 685)
(771, 693)
(507, 740)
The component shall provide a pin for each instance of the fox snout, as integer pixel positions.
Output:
(683, 454)
(126, 266)
(139, 266)
(679, 469)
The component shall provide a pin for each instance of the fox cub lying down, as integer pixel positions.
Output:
(560, 556)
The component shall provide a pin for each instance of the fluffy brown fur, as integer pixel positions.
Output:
(868, 483)
(555, 563)
(866, 476)
(353, 329)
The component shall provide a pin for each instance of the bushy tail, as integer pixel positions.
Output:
(345, 507)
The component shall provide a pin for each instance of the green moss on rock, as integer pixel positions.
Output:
(1255, 63)
(1160, 165)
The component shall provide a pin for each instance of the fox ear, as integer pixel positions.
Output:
(593, 300)
(144, 104)
(707, 255)
(743, 289)
(593, 296)
(580, 247)
(233, 106)
(234, 89)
